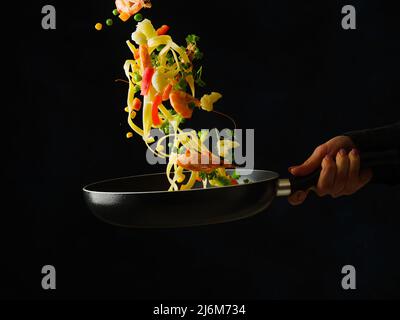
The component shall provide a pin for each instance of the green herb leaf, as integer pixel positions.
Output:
(192, 39)
(198, 55)
(197, 78)
(165, 127)
(181, 85)
(154, 59)
(235, 175)
(170, 58)
(224, 181)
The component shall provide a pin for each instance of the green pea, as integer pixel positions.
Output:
(174, 150)
(137, 77)
(109, 22)
(138, 17)
(137, 88)
(115, 12)
(182, 120)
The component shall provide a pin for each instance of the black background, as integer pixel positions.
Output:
(286, 69)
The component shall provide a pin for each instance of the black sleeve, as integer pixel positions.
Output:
(376, 140)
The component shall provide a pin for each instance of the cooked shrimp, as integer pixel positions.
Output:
(180, 101)
(130, 7)
(204, 162)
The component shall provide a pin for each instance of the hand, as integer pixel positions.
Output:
(340, 170)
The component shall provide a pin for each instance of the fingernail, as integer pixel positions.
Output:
(300, 195)
(291, 169)
(342, 153)
(355, 152)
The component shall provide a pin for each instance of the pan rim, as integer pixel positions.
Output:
(86, 188)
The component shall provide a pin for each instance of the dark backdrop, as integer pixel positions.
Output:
(286, 68)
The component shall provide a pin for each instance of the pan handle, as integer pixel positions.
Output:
(368, 160)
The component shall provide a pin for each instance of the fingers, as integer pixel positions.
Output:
(298, 198)
(353, 180)
(312, 163)
(342, 165)
(340, 176)
(327, 177)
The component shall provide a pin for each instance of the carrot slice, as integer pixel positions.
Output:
(162, 30)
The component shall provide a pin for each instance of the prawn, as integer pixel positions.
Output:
(202, 162)
(130, 7)
(180, 101)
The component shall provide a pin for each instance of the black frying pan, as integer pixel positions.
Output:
(142, 202)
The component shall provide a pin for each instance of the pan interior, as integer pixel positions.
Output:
(159, 182)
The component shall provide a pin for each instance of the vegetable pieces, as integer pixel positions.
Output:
(128, 8)
(166, 76)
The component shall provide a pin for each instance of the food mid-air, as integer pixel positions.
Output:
(163, 77)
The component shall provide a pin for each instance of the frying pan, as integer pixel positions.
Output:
(142, 202)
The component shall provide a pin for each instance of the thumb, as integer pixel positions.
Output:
(311, 164)
(298, 197)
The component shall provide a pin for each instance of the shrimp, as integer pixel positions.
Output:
(180, 101)
(130, 7)
(202, 162)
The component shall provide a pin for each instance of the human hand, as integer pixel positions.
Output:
(340, 170)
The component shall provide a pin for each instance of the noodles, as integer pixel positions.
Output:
(162, 78)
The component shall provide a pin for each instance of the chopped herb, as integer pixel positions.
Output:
(224, 181)
(181, 119)
(200, 83)
(165, 127)
(192, 39)
(198, 55)
(197, 79)
(137, 77)
(181, 85)
(246, 181)
(208, 176)
(203, 175)
(137, 88)
(170, 58)
(154, 59)
(235, 175)
(160, 47)
(212, 175)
